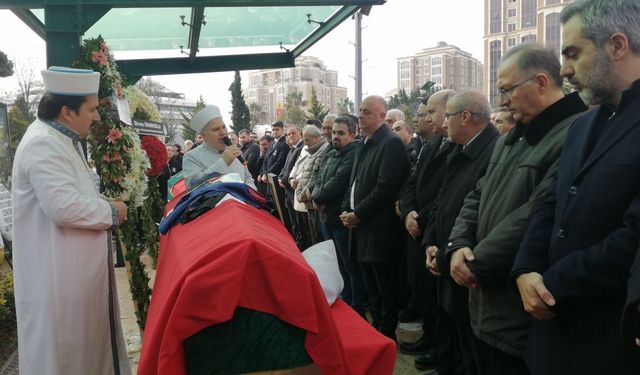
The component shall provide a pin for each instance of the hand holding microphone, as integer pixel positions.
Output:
(231, 151)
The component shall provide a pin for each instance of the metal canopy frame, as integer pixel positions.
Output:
(66, 21)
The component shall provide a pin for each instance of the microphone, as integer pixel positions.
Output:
(227, 141)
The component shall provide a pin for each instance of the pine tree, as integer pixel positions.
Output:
(240, 115)
(316, 109)
(187, 132)
(6, 66)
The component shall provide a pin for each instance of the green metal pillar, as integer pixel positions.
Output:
(64, 27)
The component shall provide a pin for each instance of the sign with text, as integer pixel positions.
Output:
(150, 127)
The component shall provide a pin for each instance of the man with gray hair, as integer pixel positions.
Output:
(468, 126)
(574, 263)
(327, 126)
(316, 147)
(492, 223)
(393, 116)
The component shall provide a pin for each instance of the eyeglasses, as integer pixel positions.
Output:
(420, 115)
(447, 115)
(507, 92)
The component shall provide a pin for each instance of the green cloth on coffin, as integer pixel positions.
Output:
(172, 181)
(251, 341)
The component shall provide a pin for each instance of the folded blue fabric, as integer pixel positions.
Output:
(239, 190)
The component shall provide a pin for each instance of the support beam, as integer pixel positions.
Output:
(324, 29)
(30, 20)
(27, 4)
(206, 64)
(64, 26)
(197, 15)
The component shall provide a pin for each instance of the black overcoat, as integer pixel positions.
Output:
(583, 240)
(380, 167)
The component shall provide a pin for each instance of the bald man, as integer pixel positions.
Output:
(379, 169)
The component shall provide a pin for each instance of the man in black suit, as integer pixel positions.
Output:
(250, 152)
(573, 265)
(467, 123)
(417, 201)
(380, 167)
(294, 140)
(275, 156)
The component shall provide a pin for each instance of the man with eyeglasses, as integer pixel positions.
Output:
(573, 266)
(489, 228)
(468, 126)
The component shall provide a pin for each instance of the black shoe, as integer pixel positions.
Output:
(426, 361)
(409, 315)
(421, 346)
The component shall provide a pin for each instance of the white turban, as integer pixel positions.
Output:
(202, 118)
(60, 80)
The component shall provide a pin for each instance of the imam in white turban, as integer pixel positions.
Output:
(202, 118)
(60, 80)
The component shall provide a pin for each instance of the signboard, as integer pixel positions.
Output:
(6, 215)
(150, 128)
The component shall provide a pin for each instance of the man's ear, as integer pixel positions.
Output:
(617, 46)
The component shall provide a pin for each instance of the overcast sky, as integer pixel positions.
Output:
(396, 29)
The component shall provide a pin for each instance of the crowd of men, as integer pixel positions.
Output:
(513, 231)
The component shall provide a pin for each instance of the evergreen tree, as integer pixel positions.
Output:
(293, 112)
(6, 66)
(258, 115)
(240, 115)
(345, 106)
(316, 109)
(187, 132)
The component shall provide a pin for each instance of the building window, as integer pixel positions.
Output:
(511, 13)
(552, 32)
(418, 62)
(436, 61)
(404, 65)
(551, 2)
(528, 18)
(528, 38)
(418, 71)
(495, 53)
(511, 42)
(436, 70)
(511, 27)
(437, 80)
(404, 74)
(496, 16)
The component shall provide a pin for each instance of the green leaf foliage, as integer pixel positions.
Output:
(240, 114)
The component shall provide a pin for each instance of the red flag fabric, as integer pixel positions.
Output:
(238, 256)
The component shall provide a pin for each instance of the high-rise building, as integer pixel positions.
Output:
(269, 88)
(511, 22)
(446, 65)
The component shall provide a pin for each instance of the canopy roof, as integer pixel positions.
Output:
(151, 37)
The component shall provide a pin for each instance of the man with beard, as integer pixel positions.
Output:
(489, 228)
(330, 186)
(573, 265)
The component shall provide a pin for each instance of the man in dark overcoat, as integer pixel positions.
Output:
(573, 266)
(380, 167)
